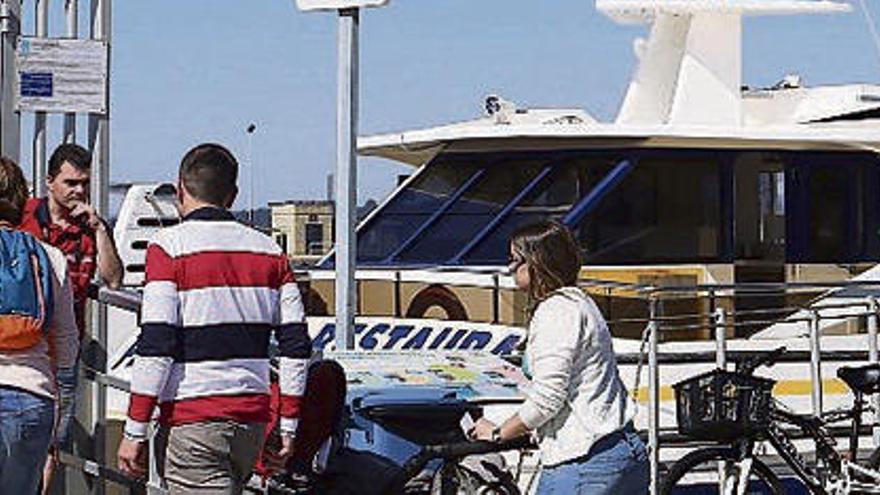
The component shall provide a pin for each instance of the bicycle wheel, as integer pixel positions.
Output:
(699, 471)
(452, 479)
(456, 479)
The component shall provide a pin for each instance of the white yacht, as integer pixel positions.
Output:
(700, 179)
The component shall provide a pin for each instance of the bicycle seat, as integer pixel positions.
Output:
(864, 379)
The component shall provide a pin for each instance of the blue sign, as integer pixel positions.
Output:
(38, 84)
(389, 336)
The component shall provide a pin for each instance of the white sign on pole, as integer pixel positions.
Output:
(337, 4)
(62, 75)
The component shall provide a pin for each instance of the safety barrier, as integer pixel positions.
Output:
(129, 300)
(851, 300)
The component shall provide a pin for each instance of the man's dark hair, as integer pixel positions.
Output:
(74, 154)
(209, 173)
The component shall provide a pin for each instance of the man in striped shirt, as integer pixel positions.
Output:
(215, 291)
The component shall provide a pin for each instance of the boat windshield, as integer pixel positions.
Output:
(633, 206)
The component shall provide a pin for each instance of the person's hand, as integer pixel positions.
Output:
(131, 457)
(276, 460)
(87, 212)
(286, 447)
(272, 462)
(482, 430)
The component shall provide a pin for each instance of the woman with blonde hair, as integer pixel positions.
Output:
(576, 403)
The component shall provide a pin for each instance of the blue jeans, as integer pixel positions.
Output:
(616, 464)
(26, 422)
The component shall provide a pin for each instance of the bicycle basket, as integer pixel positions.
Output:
(721, 405)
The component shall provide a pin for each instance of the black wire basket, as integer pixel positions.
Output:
(723, 406)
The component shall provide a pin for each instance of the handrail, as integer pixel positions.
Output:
(708, 357)
(717, 319)
(127, 299)
(97, 470)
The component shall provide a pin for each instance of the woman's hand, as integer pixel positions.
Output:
(482, 430)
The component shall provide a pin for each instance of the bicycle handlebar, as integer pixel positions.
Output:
(456, 450)
(464, 449)
(748, 366)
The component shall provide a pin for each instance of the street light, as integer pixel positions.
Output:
(250, 134)
(346, 158)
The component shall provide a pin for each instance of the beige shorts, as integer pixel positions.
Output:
(214, 458)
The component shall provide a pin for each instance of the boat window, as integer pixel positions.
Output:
(667, 209)
(759, 219)
(832, 215)
(411, 207)
(672, 206)
(772, 186)
(653, 214)
(829, 213)
(573, 178)
(474, 210)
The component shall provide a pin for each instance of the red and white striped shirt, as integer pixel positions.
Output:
(215, 292)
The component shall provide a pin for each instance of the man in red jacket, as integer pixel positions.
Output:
(66, 220)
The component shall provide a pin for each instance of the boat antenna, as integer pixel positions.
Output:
(872, 26)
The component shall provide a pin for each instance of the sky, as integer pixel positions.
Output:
(185, 72)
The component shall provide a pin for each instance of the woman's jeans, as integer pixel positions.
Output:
(616, 464)
(26, 422)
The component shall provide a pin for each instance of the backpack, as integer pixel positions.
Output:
(25, 291)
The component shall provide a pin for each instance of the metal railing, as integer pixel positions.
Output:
(715, 313)
(128, 300)
(719, 321)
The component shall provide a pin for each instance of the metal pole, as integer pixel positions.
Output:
(346, 177)
(720, 327)
(815, 364)
(711, 296)
(38, 156)
(873, 358)
(654, 397)
(720, 339)
(251, 175)
(154, 481)
(711, 301)
(496, 295)
(10, 120)
(71, 13)
(99, 142)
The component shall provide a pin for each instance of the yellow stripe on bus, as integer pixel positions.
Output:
(830, 386)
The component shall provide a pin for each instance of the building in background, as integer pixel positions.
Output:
(303, 228)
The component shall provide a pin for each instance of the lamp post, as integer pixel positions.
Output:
(346, 158)
(250, 157)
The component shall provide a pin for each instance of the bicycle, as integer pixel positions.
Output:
(736, 410)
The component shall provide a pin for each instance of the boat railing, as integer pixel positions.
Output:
(833, 302)
(714, 314)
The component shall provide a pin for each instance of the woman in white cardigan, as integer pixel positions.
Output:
(576, 402)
